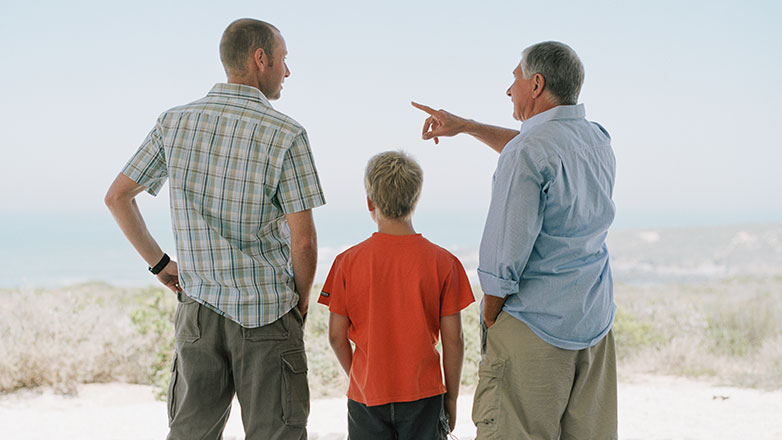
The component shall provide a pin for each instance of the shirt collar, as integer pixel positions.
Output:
(239, 91)
(558, 112)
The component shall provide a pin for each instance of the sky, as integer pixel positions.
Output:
(688, 90)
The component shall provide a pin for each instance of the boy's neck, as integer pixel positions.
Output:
(395, 227)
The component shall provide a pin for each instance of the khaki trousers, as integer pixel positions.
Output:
(531, 390)
(265, 367)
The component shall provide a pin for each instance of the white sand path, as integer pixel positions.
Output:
(651, 407)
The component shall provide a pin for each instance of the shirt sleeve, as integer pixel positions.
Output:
(148, 166)
(456, 293)
(299, 187)
(334, 289)
(513, 223)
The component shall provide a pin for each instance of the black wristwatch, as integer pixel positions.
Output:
(160, 265)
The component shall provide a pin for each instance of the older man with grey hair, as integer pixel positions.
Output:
(548, 369)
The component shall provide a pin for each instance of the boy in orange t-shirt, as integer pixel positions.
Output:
(394, 295)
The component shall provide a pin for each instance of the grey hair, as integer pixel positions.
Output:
(560, 67)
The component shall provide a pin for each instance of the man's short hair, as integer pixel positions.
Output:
(393, 181)
(241, 38)
(560, 67)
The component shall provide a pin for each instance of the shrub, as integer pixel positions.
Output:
(60, 338)
(153, 319)
(740, 329)
(631, 334)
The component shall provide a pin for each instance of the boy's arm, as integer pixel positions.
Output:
(338, 338)
(453, 356)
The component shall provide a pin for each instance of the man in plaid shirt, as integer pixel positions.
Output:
(242, 184)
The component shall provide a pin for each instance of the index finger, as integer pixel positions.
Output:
(424, 108)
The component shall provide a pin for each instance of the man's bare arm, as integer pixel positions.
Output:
(442, 123)
(121, 201)
(304, 254)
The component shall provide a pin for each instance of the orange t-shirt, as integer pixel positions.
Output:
(394, 289)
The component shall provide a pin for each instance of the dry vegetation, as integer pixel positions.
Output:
(728, 330)
(60, 338)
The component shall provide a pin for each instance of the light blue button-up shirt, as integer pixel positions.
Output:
(544, 243)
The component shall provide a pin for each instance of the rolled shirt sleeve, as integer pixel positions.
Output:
(148, 166)
(299, 186)
(513, 223)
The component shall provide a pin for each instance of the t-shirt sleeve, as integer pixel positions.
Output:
(335, 289)
(148, 166)
(456, 293)
(299, 187)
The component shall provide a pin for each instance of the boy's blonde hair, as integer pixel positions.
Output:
(393, 182)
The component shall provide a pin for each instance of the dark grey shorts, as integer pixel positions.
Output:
(422, 419)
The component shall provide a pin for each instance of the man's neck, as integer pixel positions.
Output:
(540, 106)
(243, 81)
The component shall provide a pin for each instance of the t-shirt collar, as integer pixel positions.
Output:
(558, 112)
(239, 91)
(384, 236)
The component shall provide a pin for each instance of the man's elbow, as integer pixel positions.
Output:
(112, 199)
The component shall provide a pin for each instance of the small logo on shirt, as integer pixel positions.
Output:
(324, 294)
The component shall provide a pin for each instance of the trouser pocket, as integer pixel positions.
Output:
(187, 327)
(295, 389)
(171, 397)
(486, 403)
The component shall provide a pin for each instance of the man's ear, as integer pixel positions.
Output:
(260, 59)
(538, 85)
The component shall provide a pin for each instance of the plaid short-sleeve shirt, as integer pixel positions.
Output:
(235, 167)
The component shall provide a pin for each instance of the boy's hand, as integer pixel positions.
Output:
(450, 410)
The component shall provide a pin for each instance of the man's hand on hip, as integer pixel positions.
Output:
(492, 306)
(169, 276)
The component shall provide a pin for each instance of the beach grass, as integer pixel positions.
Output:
(728, 330)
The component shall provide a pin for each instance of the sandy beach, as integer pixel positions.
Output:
(651, 407)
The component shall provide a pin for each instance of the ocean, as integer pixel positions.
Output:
(42, 251)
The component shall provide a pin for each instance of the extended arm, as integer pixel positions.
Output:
(453, 357)
(441, 123)
(304, 254)
(121, 201)
(338, 338)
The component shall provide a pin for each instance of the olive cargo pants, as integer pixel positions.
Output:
(265, 367)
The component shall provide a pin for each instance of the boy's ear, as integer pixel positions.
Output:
(370, 205)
